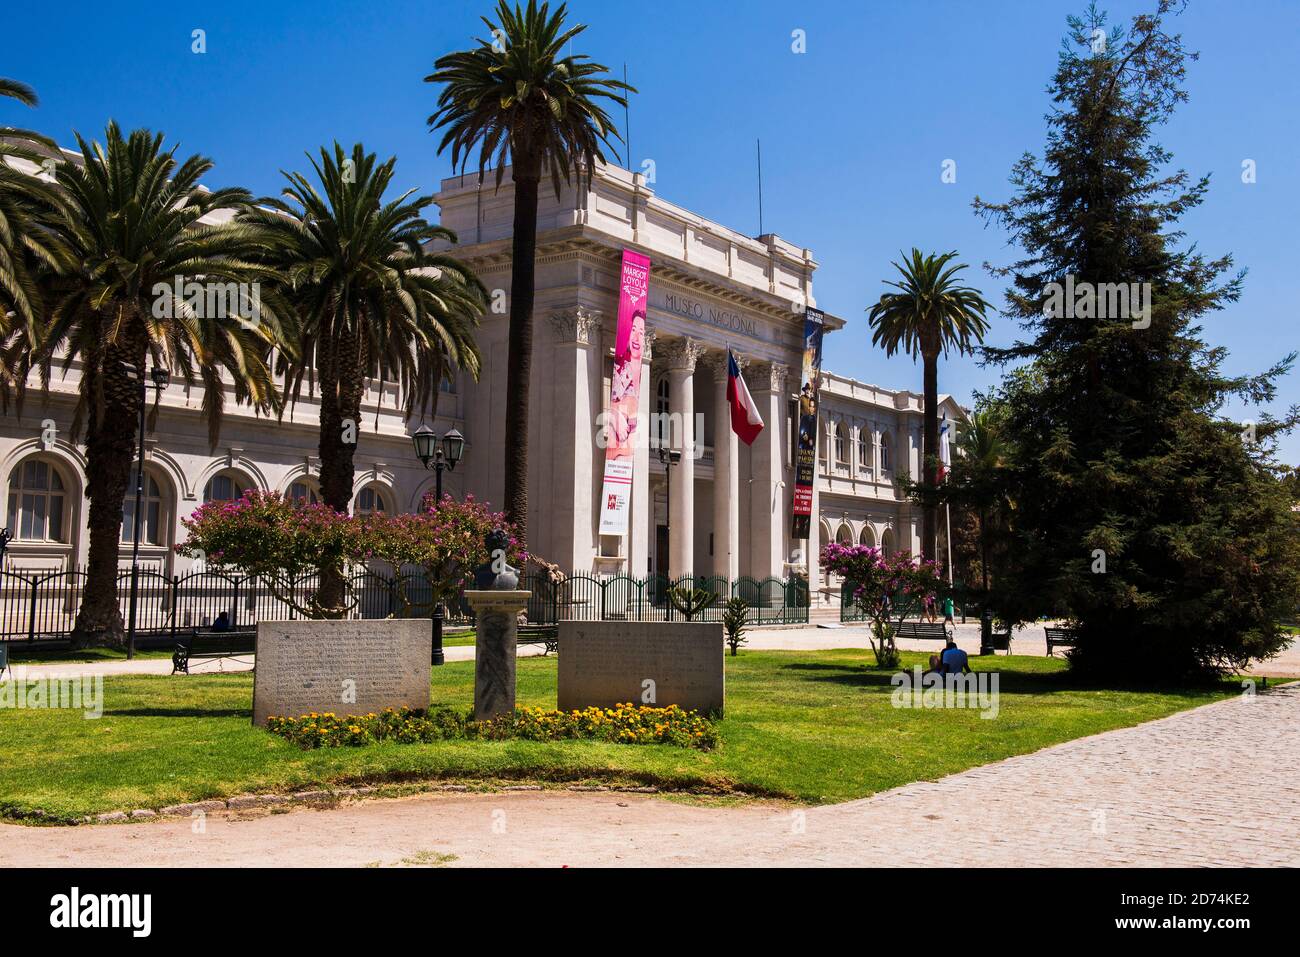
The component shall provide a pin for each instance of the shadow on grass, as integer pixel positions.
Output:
(1009, 682)
(180, 713)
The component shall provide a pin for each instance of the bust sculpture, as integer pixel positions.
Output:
(496, 574)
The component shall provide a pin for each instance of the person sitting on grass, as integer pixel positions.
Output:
(936, 665)
(953, 661)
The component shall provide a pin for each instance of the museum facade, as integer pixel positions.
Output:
(725, 509)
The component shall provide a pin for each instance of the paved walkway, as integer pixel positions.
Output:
(1218, 785)
(1026, 641)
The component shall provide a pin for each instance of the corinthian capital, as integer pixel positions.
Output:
(681, 353)
(770, 377)
(575, 325)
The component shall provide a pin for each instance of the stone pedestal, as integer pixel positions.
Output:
(495, 645)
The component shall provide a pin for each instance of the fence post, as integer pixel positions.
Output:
(176, 609)
(234, 620)
(31, 620)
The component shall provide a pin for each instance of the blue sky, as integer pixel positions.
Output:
(854, 130)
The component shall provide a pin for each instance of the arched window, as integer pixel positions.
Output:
(864, 449)
(885, 464)
(841, 443)
(37, 502)
(887, 543)
(151, 513)
(845, 535)
(303, 492)
(371, 500)
(868, 536)
(224, 487)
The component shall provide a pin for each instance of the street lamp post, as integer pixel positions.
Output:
(438, 454)
(160, 378)
(669, 458)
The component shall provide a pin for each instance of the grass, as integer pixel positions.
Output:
(811, 726)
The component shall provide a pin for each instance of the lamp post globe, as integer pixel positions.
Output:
(425, 441)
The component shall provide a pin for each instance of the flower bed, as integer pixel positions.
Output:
(623, 724)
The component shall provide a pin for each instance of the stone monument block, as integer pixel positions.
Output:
(347, 667)
(496, 642)
(653, 663)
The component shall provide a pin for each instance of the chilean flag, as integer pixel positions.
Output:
(945, 452)
(745, 420)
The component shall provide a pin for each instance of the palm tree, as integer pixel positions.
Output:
(24, 200)
(368, 294)
(929, 313)
(983, 453)
(519, 100)
(130, 222)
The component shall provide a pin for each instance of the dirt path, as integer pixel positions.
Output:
(1218, 785)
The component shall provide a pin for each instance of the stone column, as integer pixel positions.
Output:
(767, 498)
(680, 356)
(496, 642)
(726, 476)
(641, 537)
(576, 464)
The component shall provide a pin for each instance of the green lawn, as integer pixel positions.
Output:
(814, 726)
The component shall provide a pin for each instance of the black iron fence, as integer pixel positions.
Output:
(965, 603)
(38, 605)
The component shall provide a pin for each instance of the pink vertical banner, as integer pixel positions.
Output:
(621, 433)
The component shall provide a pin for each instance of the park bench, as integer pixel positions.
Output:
(216, 645)
(1059, 636)
(921, 630)
(546, 635)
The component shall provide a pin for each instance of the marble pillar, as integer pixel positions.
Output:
(768, 492)
(496, 642)
(680, 357)
(577, 464)
(641, 530)
(726, 475)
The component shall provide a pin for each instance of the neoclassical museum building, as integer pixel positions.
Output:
(725, 509)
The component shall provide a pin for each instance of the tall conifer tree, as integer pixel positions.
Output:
(1159, 527)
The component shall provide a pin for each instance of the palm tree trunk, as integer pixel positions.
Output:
(526, 176)
(112, 413)
(340, 369)
(930, 459)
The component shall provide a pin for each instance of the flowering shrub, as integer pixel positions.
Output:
(623, 724)
(276, 539)
(883, 588)
(445, 541)
(281, 541)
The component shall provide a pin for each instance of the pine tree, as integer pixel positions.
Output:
(1159, 528)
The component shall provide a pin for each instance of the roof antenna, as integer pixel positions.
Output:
(760, 187)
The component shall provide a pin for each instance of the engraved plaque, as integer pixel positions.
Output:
(347, 667)
(603, 663)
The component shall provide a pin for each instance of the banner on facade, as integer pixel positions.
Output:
(805, 465)
(621, 423)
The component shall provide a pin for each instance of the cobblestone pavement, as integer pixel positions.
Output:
(1217, 785)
